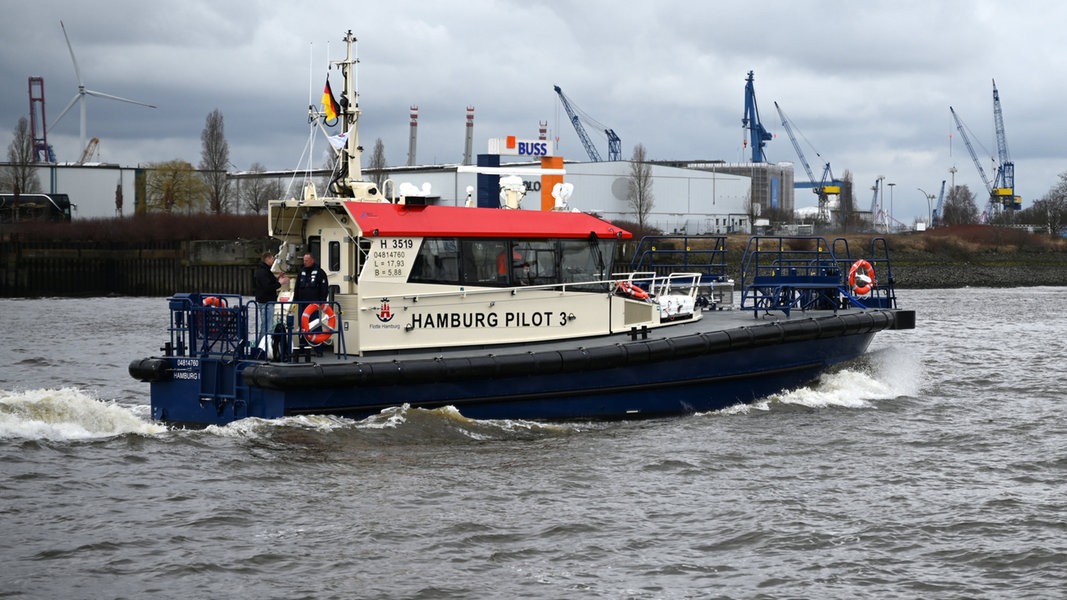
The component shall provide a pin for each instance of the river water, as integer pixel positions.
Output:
(934, 467)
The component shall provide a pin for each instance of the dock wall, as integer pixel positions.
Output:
(86, 269)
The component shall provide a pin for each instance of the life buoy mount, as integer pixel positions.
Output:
(317, 323)
(628, 288)
(861, 277)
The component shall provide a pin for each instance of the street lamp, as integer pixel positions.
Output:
(891, 219)
(929, 207)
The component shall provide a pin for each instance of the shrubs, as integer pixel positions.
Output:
(985, 238)
(147, 228)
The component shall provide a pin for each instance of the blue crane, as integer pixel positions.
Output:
(1004, 181)
(758, 135)
(577, 116)
(935, 219)
(974, 157)
(822, 188)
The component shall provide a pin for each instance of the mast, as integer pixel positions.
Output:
(350, 115)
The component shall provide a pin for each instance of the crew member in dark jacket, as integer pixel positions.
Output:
(312, 284)
(265, 284)
(266, 287)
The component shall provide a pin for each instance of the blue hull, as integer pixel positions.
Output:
(637, 379)
(700, 384)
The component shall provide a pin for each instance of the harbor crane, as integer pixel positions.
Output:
(939, 215)
(1001, 189)
(822, 188)
(1004, 181)
(42, 150)
(974, 157)
(878, 216)
(577, 116)
(758, 135)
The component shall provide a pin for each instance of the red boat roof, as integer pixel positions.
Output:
(384, 219)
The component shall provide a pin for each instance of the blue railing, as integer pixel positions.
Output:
(666, 254)
(808, 273)
(224, 326)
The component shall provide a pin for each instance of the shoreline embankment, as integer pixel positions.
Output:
(928, 270)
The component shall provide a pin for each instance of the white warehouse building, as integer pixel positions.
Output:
(685, 200)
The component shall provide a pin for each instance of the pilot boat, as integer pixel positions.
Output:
(506, 313)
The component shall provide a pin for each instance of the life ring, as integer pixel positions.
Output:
(327, 320)
(865, 272)
(214, 301)
(631, 290)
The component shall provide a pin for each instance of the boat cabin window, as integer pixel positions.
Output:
(437, 261)
(585, 260)
(361, 254)
(335, 256)
(492, 262)
(535, 262)
(484, 262)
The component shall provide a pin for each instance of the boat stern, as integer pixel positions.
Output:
(202, 391)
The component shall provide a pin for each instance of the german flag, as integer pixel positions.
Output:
(328, 103)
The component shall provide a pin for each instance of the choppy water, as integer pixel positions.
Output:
(934, 467)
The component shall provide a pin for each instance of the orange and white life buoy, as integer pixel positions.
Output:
(861, 277)
(322, 319)
(214, 301)
(631, 290)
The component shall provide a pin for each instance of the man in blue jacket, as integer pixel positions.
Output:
(312, 286)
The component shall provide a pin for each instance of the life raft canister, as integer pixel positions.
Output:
(326, 321)
(863, 272)
(631, 290)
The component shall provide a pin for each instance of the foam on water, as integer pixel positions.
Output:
(397, 423)
(253, 427)
(880, 375)
(67, 414)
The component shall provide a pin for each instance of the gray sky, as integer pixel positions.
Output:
(867, 84)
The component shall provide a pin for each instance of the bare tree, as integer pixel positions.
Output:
(377, 163)
(215, 161)
(256, 191)
(21, 175)
(174, 186)
(960, 208)
(846, 203)
(1051, 210)
(752, 209)
(640, 196)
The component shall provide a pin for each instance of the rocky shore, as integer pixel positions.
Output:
(926, 270)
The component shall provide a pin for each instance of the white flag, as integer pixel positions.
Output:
(338, 141)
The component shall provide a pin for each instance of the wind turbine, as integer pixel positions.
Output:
(82, 92)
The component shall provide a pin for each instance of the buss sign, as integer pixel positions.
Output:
(512, 146)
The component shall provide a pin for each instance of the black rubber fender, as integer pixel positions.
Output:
(151, 370)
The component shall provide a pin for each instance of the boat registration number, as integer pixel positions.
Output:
(389, 259)
(186, 368)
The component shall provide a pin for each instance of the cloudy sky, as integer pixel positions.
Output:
(868, 85)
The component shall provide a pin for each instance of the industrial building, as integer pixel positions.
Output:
(693, 198)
